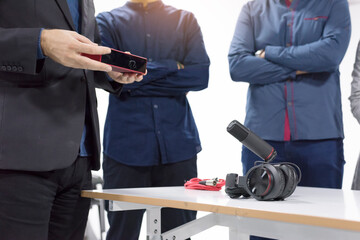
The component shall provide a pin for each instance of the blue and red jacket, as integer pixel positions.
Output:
(310, 36)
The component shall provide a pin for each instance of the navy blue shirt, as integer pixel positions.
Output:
(310, 36)
(151, 122)
(85, 143)
(75, 13)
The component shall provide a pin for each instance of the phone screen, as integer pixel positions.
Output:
(124, 60)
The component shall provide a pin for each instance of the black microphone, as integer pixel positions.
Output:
(250, 140)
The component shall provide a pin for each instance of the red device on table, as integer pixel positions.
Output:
(122, 61)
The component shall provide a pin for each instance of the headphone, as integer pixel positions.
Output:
(264, 181)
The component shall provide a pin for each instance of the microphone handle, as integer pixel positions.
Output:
(250, 140)
(259, 147)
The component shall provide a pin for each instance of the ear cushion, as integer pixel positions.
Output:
(232, 188)
(236, 192)
(290, 180)
(242, 187)
(265, 182)
(258, 181)
(279, 183)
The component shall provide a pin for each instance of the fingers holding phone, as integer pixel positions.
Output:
(66, 47)
(125, 78)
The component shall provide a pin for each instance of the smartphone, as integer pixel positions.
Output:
(122, 61)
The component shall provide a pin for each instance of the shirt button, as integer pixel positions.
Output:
(289, 25)
(82, 79)
(288, 44)
(148, 35)
(289, 103)
(20, 69)
(14, 68)
(156, 106)
(3, 68)
(8, 68)
(158, 132)
(150, 59)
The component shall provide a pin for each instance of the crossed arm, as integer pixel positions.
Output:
(168, 77)
(277, 63)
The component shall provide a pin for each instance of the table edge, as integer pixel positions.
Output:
(241, 212)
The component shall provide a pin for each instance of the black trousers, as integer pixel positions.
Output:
(45, 205)
(125, 225)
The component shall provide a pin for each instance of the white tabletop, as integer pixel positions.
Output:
(313, 206)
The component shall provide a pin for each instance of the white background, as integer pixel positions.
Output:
(224, 100)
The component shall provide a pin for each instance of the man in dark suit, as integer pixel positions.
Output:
(49, 136)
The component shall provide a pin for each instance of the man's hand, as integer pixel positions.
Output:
(65, 47)
(125, 78)
(260, 53)
(298, 72)
(180, 65)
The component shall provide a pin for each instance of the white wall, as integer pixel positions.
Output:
(224, 100)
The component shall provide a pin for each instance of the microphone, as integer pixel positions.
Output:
(250, 140)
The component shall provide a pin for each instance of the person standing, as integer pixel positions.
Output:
(160, 143)
(355, 109)
(49, 138)
(289, 51)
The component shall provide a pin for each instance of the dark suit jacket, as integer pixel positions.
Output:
(42, 103)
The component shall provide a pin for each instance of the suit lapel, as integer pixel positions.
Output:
(65, 9)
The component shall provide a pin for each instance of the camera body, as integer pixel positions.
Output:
(264, 182)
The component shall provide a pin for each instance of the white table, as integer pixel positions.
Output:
(310, 213)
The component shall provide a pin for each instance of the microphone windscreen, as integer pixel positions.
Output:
(238, 131)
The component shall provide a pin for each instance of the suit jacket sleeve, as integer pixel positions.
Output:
(18, 48)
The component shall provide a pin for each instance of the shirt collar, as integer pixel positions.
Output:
(139, 6)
